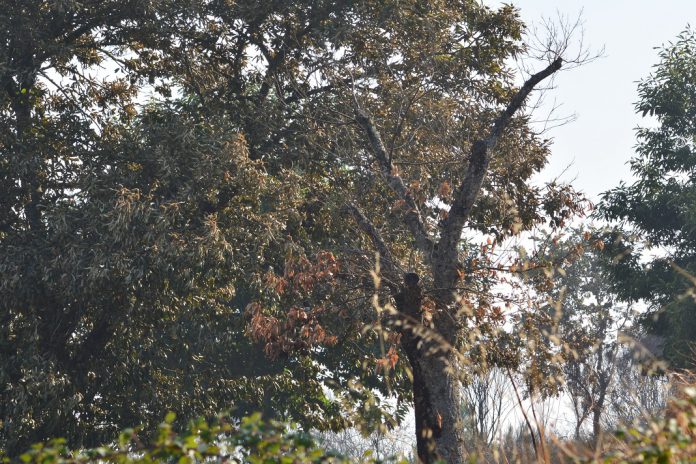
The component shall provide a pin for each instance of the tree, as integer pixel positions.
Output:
(129, 236)
(301, 138)
(487, 405)
(658, 205)
(639, 395)
(590, 319)
(381, 444)
(421, 95)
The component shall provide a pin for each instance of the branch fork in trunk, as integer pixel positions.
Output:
(436, 383)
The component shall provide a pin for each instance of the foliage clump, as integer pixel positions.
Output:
(251, 440)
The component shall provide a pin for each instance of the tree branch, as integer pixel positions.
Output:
(465, 195)
(387, 262)
(412, 217)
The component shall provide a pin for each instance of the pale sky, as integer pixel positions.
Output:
(602, 94)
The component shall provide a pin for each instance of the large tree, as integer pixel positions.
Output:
(129, 235)
(138, 242)
(659, 204)
(412, 115)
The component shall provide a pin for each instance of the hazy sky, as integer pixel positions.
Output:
(602, 94)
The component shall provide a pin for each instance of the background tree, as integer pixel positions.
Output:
(590, 320)
(380, 444)
(658, 205)
(640, 394)
(487, 406)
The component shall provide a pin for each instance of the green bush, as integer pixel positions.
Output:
(250, 441)
(253, 440)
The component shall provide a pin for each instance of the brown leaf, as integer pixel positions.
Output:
(393, 357)
(445, 189)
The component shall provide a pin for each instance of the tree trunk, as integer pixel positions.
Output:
(597, 410)
(596, 424)
(436, 386)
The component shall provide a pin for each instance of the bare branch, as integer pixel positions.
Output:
(480, 157)
(563, 36)
(412, 217)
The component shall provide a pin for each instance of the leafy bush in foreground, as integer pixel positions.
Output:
(251, 441)
(669, 440)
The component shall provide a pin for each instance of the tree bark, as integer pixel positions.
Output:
(436, 387)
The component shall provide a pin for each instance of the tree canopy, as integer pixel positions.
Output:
(196, 192)
(659, 266)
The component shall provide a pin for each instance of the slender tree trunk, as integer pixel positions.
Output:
(597, 410)
(596, 424)
(604, 378)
